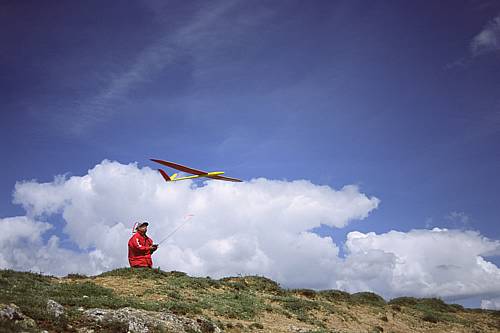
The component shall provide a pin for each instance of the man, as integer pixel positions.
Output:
(140, 247)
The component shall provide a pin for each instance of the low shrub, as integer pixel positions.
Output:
(309, 293)
(335, 295)
(368, 298)
(256, 325)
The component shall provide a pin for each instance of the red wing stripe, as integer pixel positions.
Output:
(225, 178)
(180, 167)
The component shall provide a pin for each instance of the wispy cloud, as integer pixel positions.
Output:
(153, 59)
(458, 220)
(488, 39)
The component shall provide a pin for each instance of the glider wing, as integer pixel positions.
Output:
(225, 178)
(181, 167)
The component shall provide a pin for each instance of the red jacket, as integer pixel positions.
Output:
(139, 253)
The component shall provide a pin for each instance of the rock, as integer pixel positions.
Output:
(84, 330)
(11, 312)
(296, 329)
(55, 308)
(143, 321)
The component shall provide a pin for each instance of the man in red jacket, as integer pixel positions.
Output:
(140, 247)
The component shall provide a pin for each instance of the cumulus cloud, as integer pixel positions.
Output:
(23, 248)
(437, 262)
(257, 227)
(488, 39)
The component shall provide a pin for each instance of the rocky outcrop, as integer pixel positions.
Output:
(12, 313)
(145, 321)
(55, 308)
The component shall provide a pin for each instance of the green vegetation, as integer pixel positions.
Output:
(27, 290)
(239, 305)
(233, 297)
(143, 273)
(256, 326)
(368, 298)
(182, 308)
(309, 293)
(335, 295)
(13, 327)
(432, 310)
(30, 292)
(262, 284)
(174, 280)
(228, 301)
(300, 307)
(74, 276)
(297, 305)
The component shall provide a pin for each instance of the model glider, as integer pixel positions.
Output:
(194, 172)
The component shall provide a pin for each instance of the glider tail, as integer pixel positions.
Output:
(166, 176)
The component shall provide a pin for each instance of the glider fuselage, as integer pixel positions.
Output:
(208, 174)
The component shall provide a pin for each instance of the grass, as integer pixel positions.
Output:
(309, 293)
(14, 327)
(430, 304)
(143, 273)
(368, 298)
(262, 284)
(299, 307)
(232, 300)
(432, 310)
(75, 276)
(234, 305)
(90, 295)
(256, 326)
(182, 308)
(174, 280)
(31, 292)
(335, 295)
(232, 297)
(426, 304)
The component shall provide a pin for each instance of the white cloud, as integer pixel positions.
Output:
(256, 227)
(22, 248)
(488, 39)
(437, 262)
(491, 304)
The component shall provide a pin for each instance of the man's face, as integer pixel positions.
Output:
(142, 229)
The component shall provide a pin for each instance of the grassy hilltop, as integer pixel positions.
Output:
(233, 304)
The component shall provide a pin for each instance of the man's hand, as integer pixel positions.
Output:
(154, 248)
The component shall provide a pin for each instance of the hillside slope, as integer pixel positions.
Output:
(157, 301)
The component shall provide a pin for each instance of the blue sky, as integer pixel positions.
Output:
(397, 98)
